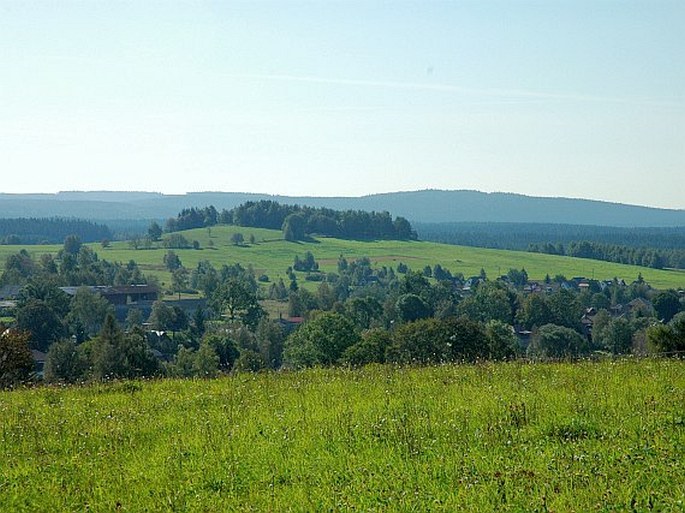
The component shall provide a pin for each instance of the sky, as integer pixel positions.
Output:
(573, 98)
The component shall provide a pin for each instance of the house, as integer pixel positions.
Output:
(637, 307)
(161, 356)
(289, 324)
(9, 292)
(9, 295)
(523, 337)
(121, 294)
(131, 294)
(617, 310)
(123, 297)
(39, 358)
(533, 287)
(587, 321)
(640, 307)
(472, 283)
(456, 282)
(605, 284)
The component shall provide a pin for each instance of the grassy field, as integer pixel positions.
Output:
(603, 436)
(272, 255)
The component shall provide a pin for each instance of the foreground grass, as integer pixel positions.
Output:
(604, 436)
(271, 255)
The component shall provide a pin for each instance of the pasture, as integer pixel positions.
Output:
(589, 436)
(271, 255)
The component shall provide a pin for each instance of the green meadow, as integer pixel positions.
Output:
(271, 255)
(590, 436)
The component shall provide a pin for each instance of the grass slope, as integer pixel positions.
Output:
(606, 436)
(272, 255)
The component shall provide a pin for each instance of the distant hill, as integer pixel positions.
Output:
(428, 206)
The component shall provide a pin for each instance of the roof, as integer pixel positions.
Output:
(93, 288)
(158, 354)
(107, 290)
(38, 356)
(638, 301)
(141, 288)
(291, 320)
(9, 292)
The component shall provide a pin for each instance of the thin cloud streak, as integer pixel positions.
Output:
(450, 88)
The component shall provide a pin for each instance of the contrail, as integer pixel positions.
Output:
(451, 88)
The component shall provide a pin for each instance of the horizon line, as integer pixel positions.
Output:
(368, 195)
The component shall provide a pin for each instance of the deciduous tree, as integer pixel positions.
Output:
(666, 304)
(88, 310)
(16, 361)
(37, 318)
(552, 341)
(320, 341)
(294, 227)
(237, 239)
(236, 299)
(65, 363)
(154, 232)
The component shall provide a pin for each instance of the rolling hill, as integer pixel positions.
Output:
(271, 255)
(427, 206)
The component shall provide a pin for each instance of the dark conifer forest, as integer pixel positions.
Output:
(51, 230)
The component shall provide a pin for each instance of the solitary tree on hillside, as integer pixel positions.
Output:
(294, 227)
(171, 261)
(154, 231)
(179, 280)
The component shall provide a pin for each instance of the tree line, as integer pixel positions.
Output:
(645, 257)
(74, 264)
(647, 247)
(51, 230)
(298, 222)
(521, 235)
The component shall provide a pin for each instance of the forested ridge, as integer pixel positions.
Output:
(298, 222)
(426, 206)
(52, 230)
(649, 247)
(646, 257)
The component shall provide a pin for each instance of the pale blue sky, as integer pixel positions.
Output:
(553, 98)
